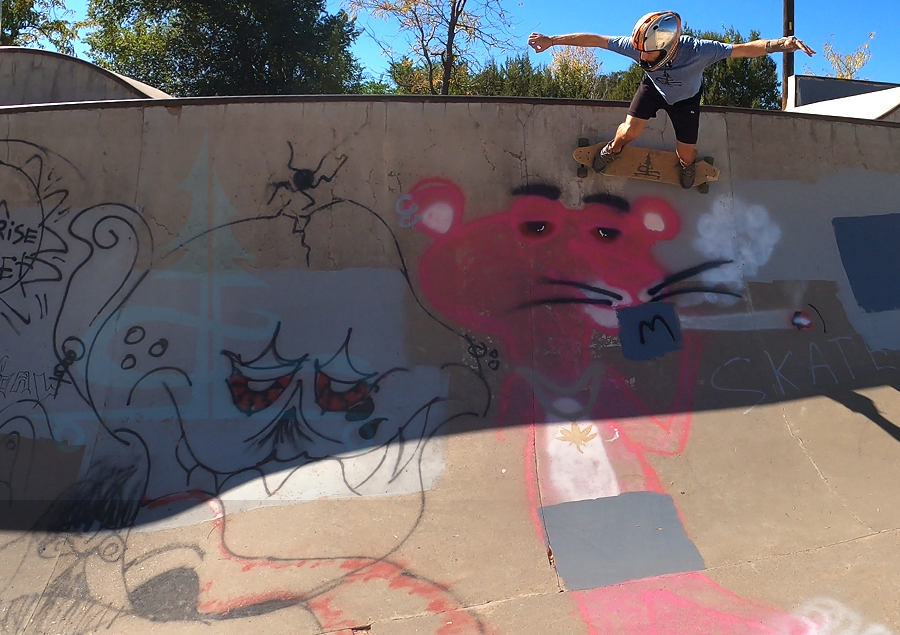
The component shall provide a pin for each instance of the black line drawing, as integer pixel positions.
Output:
(304, 179)
(646, 169)
(130, 358)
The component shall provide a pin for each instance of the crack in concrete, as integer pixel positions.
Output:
(805, 551)
(141, 148)
(822, 476)
(396, 176)
(523, 158)
(355, 133)
(161, 226)
(550, 559)
(468, 607)
(518, 157)
(330, 249)
(484, 152)
(537, 480)
(8, 121)
(369, 183)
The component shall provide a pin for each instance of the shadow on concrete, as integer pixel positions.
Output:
(864, 406)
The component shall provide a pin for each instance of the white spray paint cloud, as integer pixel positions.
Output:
(825, 616)
(737, 231)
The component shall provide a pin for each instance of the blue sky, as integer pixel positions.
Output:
(816, 22)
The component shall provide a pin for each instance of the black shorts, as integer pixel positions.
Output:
(685, 114)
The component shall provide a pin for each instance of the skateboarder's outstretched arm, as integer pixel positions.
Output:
(540, 42)
(759, 48)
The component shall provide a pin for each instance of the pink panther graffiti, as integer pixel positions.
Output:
(553, 284)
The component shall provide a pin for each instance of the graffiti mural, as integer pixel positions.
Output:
(177, 383)
(197, 384)
(577, 297)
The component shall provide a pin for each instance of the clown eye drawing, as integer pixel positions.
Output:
(536, 228)
(355, 401)
(330, 398)
(251, 400)
(257, 384)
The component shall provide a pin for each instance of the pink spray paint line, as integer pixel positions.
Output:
(498, 275)
(681, 604)
(534, 495)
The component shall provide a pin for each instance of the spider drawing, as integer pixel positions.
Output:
(304, 179)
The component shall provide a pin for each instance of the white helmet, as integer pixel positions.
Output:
(657, 31)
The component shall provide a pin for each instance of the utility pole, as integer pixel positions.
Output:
(787, 63)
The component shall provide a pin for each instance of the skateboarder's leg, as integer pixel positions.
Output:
(645, 104)
(685, 117)
(627, 132)
(687, 152)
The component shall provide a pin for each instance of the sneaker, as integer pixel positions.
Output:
(604, 158)
(688, 173)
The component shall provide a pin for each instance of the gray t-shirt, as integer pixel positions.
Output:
(680, 78)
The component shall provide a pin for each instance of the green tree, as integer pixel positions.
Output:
(625, 83)
(415, 79)
(515, 77)
(521, 78)
(573, 73)
(380, 86)
(136, 44)
(490, 80)
(37, 22)
(239, 47)
(740, 82)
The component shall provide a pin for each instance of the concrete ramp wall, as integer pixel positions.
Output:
(36, 76)
(334, 365)
(883, 105)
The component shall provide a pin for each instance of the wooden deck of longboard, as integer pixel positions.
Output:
(659, 166)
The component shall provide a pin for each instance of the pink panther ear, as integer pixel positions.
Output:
(657, 218)
(434, 206)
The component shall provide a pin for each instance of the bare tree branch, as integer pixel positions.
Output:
(455, 31)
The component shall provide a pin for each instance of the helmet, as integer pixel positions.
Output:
(657, 31)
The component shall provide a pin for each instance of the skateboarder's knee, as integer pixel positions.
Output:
(631, 129)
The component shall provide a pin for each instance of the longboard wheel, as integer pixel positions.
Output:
(709, 160)
(703, 188)
(583, 142)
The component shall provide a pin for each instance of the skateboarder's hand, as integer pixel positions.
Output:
(539, 42)
(796, 43)
(789, 43)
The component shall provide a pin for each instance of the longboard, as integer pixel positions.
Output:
(659, 166)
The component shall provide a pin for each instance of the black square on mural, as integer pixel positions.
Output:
(650, 330)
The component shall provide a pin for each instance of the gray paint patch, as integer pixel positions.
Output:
(868, 247)
(612, 540)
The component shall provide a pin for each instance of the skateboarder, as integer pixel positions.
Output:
(673, 73)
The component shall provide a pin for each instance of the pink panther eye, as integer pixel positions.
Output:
(607, 234)
(536, 228)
